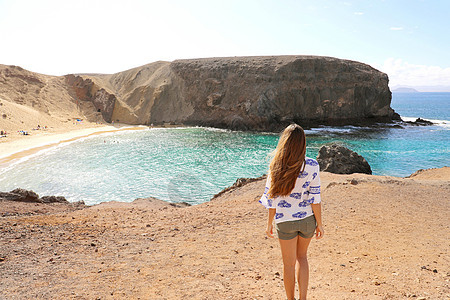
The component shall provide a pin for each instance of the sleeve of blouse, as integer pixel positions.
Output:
(314, 187)
(265, 200)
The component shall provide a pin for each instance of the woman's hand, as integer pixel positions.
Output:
(269, 230)
(319, 232)
(270, 216)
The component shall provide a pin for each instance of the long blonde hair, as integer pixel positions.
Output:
(288, 161)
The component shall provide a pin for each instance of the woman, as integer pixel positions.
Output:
(292, 196)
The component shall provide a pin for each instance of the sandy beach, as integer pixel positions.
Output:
(19, 146)
(385, 238)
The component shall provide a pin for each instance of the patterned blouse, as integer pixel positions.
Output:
(297, 205)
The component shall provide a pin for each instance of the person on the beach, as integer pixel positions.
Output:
(292, 196)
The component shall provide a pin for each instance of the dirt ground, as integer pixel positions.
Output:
(385, 238)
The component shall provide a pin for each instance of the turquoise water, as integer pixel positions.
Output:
(193, 164)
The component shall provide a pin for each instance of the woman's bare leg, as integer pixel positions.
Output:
(303, 268)
(289, 254)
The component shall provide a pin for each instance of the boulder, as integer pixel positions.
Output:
(21, 195)
(338, 159)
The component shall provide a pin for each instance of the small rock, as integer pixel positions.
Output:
(420, 121)
(54, 199)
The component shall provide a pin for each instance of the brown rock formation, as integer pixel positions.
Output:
(87, 90)
(28, 99)
(246, 93)
(251, 93)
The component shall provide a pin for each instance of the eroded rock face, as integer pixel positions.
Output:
(87, 90)
(242, 93)
(267, 93)
(252, 93)
(341, 160)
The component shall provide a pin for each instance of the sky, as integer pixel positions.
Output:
(407, 39)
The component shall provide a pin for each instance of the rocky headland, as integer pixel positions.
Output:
(249, 93)
(243, 93)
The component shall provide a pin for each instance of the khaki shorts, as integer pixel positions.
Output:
(303, 227)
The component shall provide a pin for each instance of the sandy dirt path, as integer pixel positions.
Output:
(385, 238)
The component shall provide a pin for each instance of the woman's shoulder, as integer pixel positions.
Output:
(311, 161)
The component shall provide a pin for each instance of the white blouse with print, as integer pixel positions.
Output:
(297, 205)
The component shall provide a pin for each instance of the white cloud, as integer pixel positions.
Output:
(358, 13)
(403, 73)
(396, 28)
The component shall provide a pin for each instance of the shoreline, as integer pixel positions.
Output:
(20, 148)
(328, 180)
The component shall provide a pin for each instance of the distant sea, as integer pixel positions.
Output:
(192, 164)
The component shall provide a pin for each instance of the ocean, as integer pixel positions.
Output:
(192, 164)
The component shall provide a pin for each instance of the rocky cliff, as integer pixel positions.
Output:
(245, 93)
(250, 93)
(28, 99)
(86, 90)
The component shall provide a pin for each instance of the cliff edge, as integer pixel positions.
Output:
(250, 93)
(240, 93)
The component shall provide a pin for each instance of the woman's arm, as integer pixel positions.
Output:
(270, 216)
(317, 209)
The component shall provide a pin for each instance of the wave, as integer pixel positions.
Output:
(335, 130)
(214, 129)
(442, 123)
